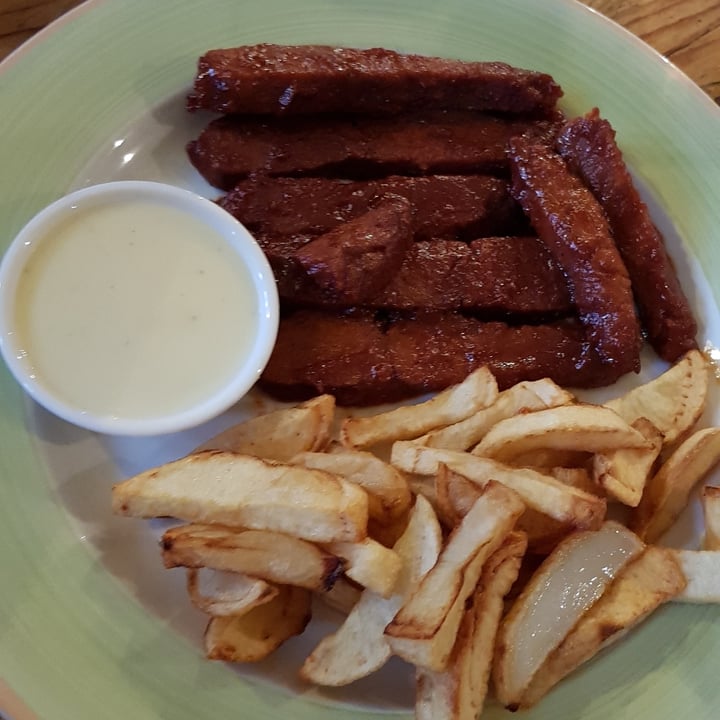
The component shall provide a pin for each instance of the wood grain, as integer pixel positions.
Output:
(686, 31)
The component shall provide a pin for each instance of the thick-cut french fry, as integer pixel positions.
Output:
(456, 403)
(264, 554)
(711, 514)
(255, 635)
(281, 434)
(359, 647)
(538, 491)
(702, 571)
(565, 586)
(667, 492)
(389, 496)
(652, 578)
(424, 629)
(342, 596)
(223, 593)
(369, 564)
(455, 495)
(576, 477)
(245, 491)
(672, 402)
(588, 428)
(521, 398)
(623, 473)
(458, 693)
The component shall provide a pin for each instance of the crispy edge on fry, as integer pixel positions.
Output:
(585, 427)
(458, 693)
(456, 403)
(668, 491)
(651, 579)
(526, 396)
(711, 514)
(280, 434)
(538, 491)
(423, 630)
(245, 491)
(258, 633)
(358, 647)
(265, 554)
(623, 473)
(673, 402)
(223, 593)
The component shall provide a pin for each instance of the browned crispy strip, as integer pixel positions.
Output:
(363, 362)
(356, 260)
(588, 145)
(282, 79)
(445, 206)
(232, 147)
(497, 275)
(569, 220)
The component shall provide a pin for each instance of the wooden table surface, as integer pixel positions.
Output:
(685, 31)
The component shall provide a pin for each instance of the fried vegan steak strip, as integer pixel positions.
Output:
(495, 276)
(310, 79)
(588, 146)
(363, 362)
(231, 148)
(445, 206)
(569, 220)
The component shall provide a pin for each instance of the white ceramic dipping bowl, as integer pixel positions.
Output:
(136, 308)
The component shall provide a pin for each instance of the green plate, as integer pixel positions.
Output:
(91, 626)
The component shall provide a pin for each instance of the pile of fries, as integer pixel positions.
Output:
(469, 535)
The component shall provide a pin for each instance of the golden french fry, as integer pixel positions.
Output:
(565, 586)
(369, 564)
(456, 403)
(583, 427)
(547, 458)
(423, 630)
(255, 635)
(455, 495)
(711, 514)
(524, 397)
(667, 492)
(702, 571)
(244, 491)
(359, 647)
(623, 473)
(388, 492)
(223, 593)
(652, 578)
(538, 491)
(458, 693)
(281, 434)
(672, 402)
(577, 477)
(264, 554)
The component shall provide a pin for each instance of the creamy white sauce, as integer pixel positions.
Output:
(135, 310)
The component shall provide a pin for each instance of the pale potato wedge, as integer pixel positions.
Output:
(369, 564)
(456, 403)
(702, 571)
(672, 402)
(711, 514)
(668, 491)
(583, 427)
(639, 588)
(222, 593)
(524, 397)
(623, 473)
(264, 554)
(538, 491)
(388, 492)
(423, 630)
(359, 647)
(245, 491)
(255, 635)
(566, 585)
(458, 693)
(280, 434)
